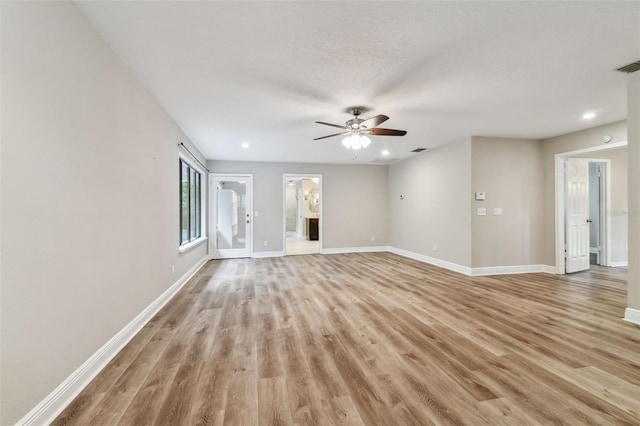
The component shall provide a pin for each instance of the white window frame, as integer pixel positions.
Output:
(203, 217)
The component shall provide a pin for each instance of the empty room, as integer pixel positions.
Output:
(312, 212)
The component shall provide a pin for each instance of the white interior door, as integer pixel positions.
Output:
(577, 215)
(231, 208)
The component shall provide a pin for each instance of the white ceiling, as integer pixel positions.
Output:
(263, 72)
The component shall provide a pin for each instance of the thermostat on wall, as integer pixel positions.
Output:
(480, 196)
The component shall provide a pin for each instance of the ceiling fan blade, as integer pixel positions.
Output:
(332, 125)
(374, 121)
(387, 132)
(330, 136)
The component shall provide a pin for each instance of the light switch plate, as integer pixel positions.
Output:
(482, 211)
(497, 211)
(480, 196)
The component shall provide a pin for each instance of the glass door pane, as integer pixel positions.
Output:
(232, 219)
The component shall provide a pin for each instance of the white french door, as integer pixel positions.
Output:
(231, 207)
(577, 214)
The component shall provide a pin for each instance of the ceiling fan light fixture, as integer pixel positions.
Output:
(347, 141)
(356, 141)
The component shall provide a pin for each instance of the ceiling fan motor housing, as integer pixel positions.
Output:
(354, 123)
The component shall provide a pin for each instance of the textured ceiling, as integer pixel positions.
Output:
(263, 72)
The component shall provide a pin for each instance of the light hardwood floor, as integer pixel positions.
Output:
(375, 339)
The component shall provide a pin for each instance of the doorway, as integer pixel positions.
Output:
(302, 214)
(231, 207)
(583, 200)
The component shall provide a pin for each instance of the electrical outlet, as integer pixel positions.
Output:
(373, 238)
(173, 269)
(435, 247)
(266, 243)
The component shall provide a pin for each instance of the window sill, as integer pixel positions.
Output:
(186, 247)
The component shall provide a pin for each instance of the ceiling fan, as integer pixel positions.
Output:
(357, 129)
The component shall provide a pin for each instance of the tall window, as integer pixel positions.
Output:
(190, 216)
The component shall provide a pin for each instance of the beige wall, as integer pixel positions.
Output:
(89, 199)
(510, 172)
(567, 143)
(633, 112)
(353, 202)
(436, 208)
(617, 210)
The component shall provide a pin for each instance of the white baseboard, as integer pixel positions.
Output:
(432, 261)
(549, 269)
(516, 269)
(632, 315)
(261, 254)
(342, 250)
(53, 404)
(618, 264)
(491, 270)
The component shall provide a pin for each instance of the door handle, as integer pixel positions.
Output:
(589, 221)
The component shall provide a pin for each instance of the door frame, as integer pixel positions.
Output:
(560, 202)
(213, 208)
(602, 167)
(285, 177)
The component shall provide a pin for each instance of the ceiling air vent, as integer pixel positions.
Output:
(419, 149)
(629, 68)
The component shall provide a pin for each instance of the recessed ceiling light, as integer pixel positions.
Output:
(244, 145)
(385, 152)
(588, 115)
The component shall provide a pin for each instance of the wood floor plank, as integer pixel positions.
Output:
(375, 339)
(273, 407)
(501, 411)
(269, 362)
(211, 394)
(607, 387)
(242, 399)
(304, 402)
(342, 411)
